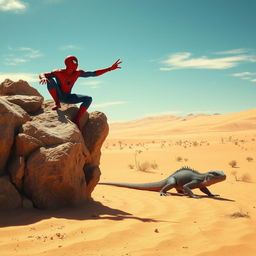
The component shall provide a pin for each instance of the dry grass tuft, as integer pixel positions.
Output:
(179, 159)
(144, 166)
(249, 159)
(233, 163)
(239, 214)
(246, 178)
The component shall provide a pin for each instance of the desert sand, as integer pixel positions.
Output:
(128, 222)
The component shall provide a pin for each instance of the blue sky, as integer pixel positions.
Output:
(179, 56)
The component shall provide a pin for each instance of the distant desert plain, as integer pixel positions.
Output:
(128, 222)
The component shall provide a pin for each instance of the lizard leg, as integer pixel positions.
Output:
(187, 188)
(171, 184)
(207, 191)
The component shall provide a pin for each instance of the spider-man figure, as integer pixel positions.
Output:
(60, 83)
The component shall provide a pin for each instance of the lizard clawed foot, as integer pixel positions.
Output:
(165, 193)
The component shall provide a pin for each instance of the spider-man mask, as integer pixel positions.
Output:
(71, 63)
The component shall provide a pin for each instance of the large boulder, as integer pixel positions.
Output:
(11, 118)
(26, 144)
(9, 196)
(8, 87)
(52, 128)
(30, 104)
(95, 132)
(54, 176)
(51, 164)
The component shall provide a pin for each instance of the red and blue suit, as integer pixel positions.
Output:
(60, 83)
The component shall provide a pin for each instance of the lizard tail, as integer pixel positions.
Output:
(153, 186)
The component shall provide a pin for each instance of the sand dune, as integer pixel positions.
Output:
(141, 223)
(191, 124)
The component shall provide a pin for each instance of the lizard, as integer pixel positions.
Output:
(183, 180)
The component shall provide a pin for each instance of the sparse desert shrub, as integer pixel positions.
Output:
(154, 165)
(233, 163)
(131, 166)
(144, 167)
(179, 159)
(195, 143)
(234, 173)
(239, 214)
(249, 159)
(246, 178)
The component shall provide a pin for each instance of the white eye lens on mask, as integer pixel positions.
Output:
(74, 61)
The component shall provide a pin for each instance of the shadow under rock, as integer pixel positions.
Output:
(88, 211)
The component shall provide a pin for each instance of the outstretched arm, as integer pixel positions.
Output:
(113, 67)
(100, 71)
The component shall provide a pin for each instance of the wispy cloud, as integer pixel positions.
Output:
(69, 47)
(12, 61)
(13, 6)
(29, 77)
(234, 51)
(250, 76)
(20, 55)
(107, 104)
(184, 60)
(30, 53)
(244, 74)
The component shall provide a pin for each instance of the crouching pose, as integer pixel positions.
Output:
(60, 83)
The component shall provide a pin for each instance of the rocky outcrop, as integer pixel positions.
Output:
(30, 104)
(44, 157)
(11, 118)
(9, 196)
(8, 87)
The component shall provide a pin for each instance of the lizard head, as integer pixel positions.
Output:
(214, 177)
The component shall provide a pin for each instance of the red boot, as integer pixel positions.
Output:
(54, 95)
(79, 114)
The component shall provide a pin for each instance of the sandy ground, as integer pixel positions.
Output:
(131, 222)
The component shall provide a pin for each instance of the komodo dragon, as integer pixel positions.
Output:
(183, 180)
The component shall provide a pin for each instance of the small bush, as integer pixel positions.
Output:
(131, 166)
(249, 159)
(195, 144)
(239, 214)
(246, 178)
(154, 165)
(144, 167)
(233, 163)
(179, 158)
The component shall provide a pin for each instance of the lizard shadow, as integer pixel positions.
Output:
(203, 196)
(218, 198)
(89, 211)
